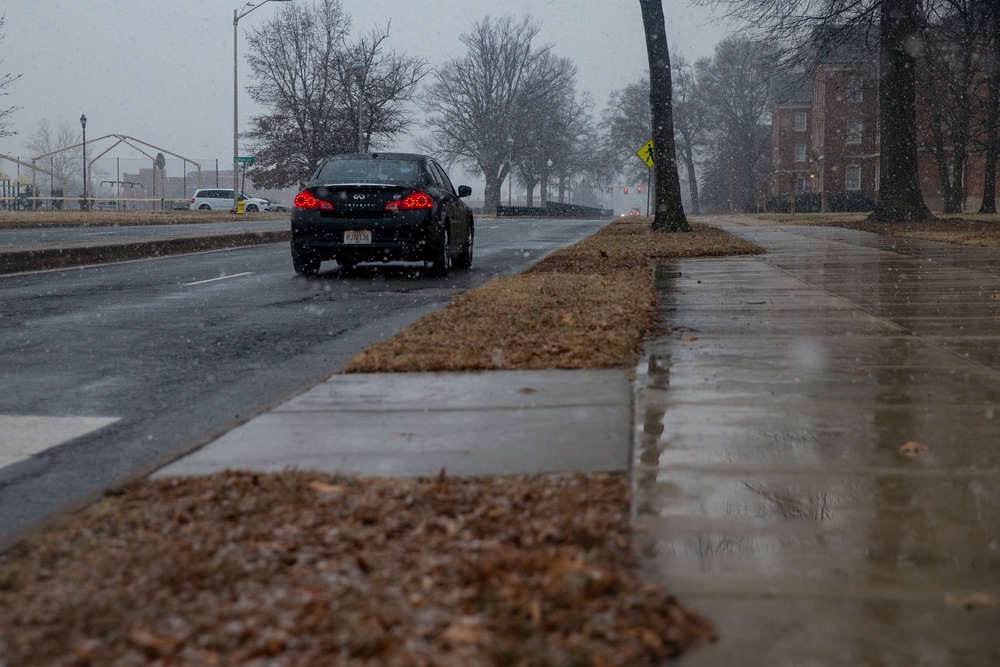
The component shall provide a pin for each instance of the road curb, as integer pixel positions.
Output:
(68, 256)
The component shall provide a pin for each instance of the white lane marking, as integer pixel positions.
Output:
(22, 436)
(212, 280)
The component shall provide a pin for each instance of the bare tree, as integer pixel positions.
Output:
(66, 163)
(5, 81)
(304, 63)
(498, 90)
(689, 123)
(734, 91)
(552, 139)
(628, 128)
(949, 80)
(669, 216)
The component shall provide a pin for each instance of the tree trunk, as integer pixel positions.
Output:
(692, 183)
(992, 124)
(899, 197)
(669, 216)
(491, 195)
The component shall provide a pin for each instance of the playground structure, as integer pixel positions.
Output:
(121, 193)
(11, 195)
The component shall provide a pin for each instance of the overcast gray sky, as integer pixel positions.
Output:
(162, 70)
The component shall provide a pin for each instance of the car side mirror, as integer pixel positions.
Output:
(464, 191)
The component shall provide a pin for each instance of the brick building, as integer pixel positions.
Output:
(825, 142)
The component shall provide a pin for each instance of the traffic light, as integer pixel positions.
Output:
(639, 189)
(624, 191)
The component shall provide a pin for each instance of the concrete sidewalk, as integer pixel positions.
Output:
(817, 450)
(416, 424)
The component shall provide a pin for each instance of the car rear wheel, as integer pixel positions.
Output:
(442, 264)
(464, 261)
(252, 208)
(305, 264)
(204, 207)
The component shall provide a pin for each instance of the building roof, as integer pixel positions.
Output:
(794, 88)
(844, 44)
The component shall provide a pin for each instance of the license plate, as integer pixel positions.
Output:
(362, 237)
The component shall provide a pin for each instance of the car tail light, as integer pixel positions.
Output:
(192, 200)
(414, 200)
(306, 200)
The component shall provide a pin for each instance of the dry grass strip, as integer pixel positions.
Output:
(586, 306)
(983, 231)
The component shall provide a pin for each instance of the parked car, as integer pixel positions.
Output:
(221, 199)
(381, 207)
(276, 207)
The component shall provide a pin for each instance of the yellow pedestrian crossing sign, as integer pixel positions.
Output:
(646, 153)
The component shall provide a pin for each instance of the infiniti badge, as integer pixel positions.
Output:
(359, 196)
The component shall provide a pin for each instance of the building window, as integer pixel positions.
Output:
(820, 93)
(853, 132)
(800, 152)
(800, 184)
(852, 178)
(800, 121)
(855, 90)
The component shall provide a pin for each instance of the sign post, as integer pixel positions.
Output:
(646, 155)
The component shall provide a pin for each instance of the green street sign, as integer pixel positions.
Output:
(243, 160)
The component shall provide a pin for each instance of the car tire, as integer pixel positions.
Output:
(204, 207)
(305, 264)
(252, 208)
(464, 261)
(441, 265)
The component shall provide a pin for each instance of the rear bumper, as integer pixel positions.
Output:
(405, 236)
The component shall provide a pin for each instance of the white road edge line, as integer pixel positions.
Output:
(212, 280)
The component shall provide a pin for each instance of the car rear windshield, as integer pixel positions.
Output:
(370, 171)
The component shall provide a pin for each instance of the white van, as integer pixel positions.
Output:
(221, 199)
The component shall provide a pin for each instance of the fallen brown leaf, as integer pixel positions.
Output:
(913, 449)
(323, 487)
(975, 600)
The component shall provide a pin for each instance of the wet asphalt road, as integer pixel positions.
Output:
(178, 348)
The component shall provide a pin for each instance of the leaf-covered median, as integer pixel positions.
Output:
(302, 568)
(305, 569)
(586, 306)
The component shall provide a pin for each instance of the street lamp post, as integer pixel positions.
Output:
(548, 173)
(236, 93)
(360, 69)
(510, 167)
(83, 124)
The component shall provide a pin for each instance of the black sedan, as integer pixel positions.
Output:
(381, 207)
